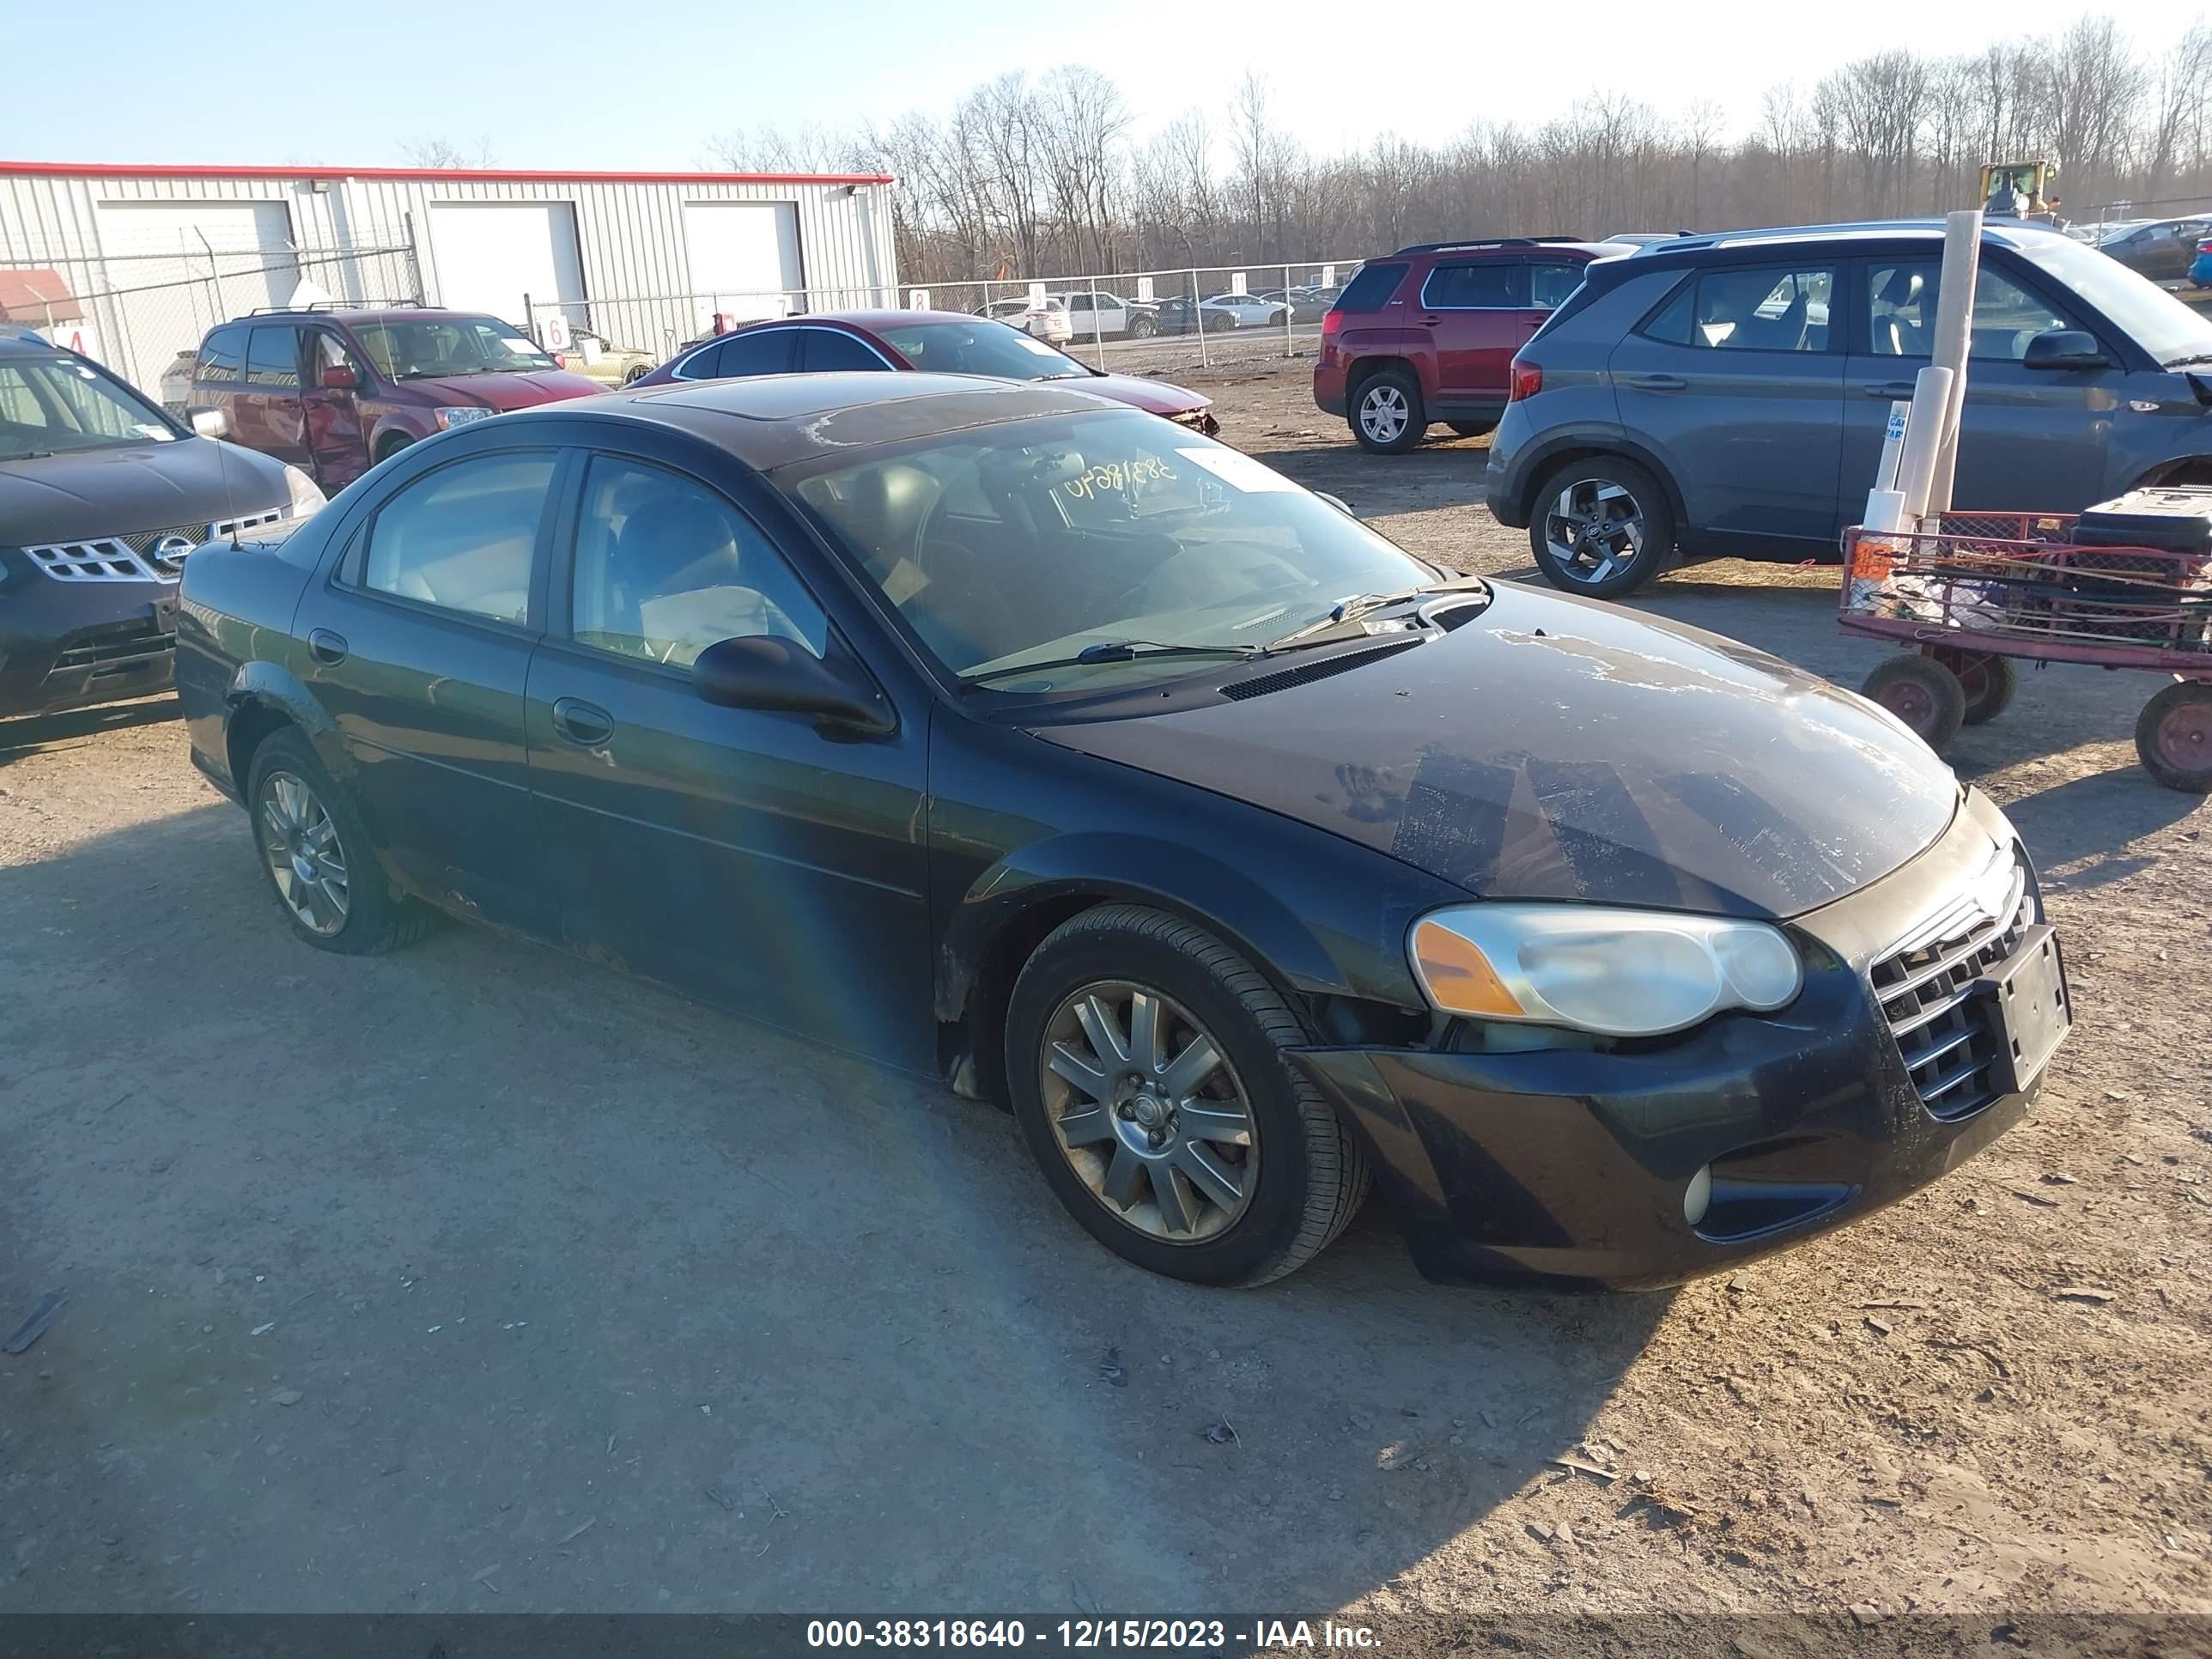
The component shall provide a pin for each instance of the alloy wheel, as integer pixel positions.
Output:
(1382, 413)
(1149, 1112)
(306, 859)
(1594, 527)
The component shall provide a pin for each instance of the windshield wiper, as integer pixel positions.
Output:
(1351, 609)
(1110, 651)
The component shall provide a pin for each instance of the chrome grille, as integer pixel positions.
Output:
(137, 557)
(1926, 989)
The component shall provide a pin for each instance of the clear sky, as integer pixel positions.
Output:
(559, 83)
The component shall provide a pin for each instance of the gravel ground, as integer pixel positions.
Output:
(478, 1278)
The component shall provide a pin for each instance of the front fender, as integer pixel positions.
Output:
(1246, 914)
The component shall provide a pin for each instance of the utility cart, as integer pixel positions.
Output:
(2125, 585)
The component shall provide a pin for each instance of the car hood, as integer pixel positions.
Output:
(121, 491)
(1553, 748)
(505, 392)
(1154, 397)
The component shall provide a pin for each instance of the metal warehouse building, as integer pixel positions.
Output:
(134, 264)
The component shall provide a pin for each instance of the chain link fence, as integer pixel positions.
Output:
(144, 314)
(1140, 322)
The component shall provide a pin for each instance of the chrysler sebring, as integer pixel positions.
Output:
(1040, 746)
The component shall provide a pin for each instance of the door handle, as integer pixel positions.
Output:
(582, 723)
(1892, 390)
(325, 647)
(1656, 382)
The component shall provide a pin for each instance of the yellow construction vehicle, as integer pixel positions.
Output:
(2033, 182)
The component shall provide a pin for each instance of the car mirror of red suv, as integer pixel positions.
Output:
(339, 377)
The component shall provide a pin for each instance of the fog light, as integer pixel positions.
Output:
(1697, 1195)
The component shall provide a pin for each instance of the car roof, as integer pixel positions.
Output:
(1501, 247)
(2007, 232)
(359, 314)
(870, 320)
(27, 345)
(769, 420)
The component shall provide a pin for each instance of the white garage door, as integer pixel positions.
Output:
(490, 254)
(743, 256)
(179, 268)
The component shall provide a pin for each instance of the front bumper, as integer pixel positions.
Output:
(1562, 1164)
(70, 645)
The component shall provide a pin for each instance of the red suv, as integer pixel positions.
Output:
(333, 391)
(1428, 333)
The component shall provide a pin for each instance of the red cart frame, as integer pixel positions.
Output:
(1986, 589)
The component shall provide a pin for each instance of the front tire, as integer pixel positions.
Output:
(1148, 1069)
(1922, 693)
(1602, 527)
(1387, 416)
(318, 859)
(2173, 737)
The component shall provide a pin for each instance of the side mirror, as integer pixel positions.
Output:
(339, 377)
(760, 672)
(2065, 348)
(210, 422)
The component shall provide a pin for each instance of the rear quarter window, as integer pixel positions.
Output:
(222, 357)
(1370, 289)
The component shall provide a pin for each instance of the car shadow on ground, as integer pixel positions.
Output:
(478, 1277)
(19, 738)
(1443, 472)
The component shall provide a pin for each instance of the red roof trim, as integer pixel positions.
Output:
(513, 175)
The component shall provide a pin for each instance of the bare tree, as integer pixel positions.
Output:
(437, 151)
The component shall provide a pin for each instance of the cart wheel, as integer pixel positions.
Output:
(2173, 735)
(1989, 682)
(1923, 694)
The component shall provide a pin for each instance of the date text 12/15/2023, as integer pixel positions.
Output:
(1084, 1635)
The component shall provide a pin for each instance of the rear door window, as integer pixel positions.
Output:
(762, 351)
(272, 359)
(1488, 285)
(222, 357)
(463, 539)
(1551, 285)
(1370, 289)
(1765, 308)
(826, 350)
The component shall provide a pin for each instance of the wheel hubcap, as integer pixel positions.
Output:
(2185, 736)
(1594, 529)
(1148, 1112)
(1382, 412)
(1913, 704)
(305, 858)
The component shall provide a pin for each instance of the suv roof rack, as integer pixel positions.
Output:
(1490, 242)
(337, 305)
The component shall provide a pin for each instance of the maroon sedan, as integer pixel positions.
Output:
(934, 342)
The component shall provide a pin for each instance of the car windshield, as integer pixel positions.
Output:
(982, 347)
(1032, 541)
(439, 348)
(2168, 329)
(53, 405)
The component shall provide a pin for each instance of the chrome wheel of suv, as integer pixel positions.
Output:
(1602, 527)
(1387, 416)
(1594, 528)
(1383, 413)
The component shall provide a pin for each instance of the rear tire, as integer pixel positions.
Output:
(1472, 428)
(1988, 682)
(1600, 528)
(2173, 737)
(1294, 1179)
(1922, 693)
(1387, 416)
(336, 896)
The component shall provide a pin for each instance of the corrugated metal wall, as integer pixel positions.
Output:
(629, 232)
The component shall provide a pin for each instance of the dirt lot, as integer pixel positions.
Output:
(477, 1277)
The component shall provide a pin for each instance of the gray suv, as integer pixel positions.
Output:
(1727, 395)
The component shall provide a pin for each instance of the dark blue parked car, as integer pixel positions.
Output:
(1726, 395)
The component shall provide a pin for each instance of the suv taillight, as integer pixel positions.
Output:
(1526, 382)
(1332, 324)
(2204, 247)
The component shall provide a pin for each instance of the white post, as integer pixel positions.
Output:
(1098, 332)
(1290, 314)
(1923, 441)
(1197, 316)
(1954, 324)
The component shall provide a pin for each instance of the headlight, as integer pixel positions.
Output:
(306, 494)
(461, 416)
(1619, 973)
